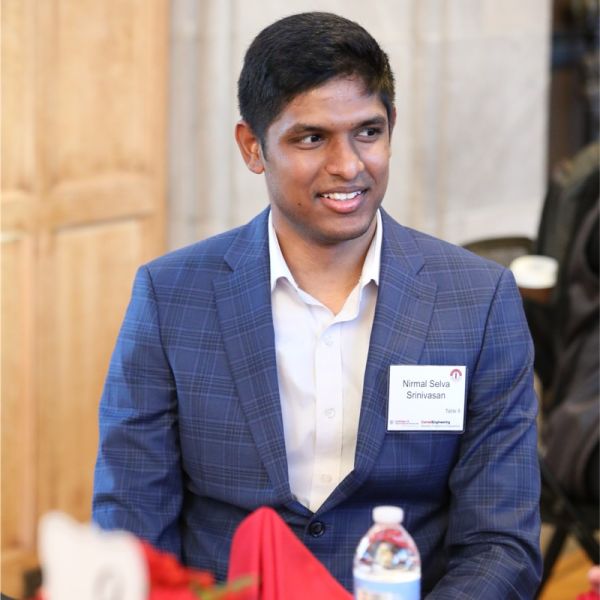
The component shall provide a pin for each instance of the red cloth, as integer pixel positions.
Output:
(169, 580)
(266, 548)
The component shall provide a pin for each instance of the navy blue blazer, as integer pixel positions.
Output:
(191, 435)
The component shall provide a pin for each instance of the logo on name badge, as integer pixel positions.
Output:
(456, 374)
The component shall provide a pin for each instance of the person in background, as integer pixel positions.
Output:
(254, 368)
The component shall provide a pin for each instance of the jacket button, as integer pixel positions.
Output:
(316, 529)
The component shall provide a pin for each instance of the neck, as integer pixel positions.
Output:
(327, 272)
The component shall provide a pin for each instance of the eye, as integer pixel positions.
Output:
(310, 139)
(369, 133)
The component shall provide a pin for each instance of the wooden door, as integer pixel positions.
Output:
(83, 197)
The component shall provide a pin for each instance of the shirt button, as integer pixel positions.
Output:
(328, 340)
(316, 529)
(330, 413)
(326, 478)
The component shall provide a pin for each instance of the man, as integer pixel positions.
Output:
(254, 368)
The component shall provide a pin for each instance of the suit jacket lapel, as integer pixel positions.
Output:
(405, 304)
(244, 310)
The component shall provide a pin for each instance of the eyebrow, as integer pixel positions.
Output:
(300, 128)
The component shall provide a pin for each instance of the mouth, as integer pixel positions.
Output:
(342, 196)
(343, 202)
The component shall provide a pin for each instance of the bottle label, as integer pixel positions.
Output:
(365, 589)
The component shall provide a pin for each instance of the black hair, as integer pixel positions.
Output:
(301, 52)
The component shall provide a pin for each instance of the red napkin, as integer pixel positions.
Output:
(266, 548)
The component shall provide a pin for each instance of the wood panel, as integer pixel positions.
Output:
(18, 439)
(83, 180)
(93, 268)
(17, 93)
(104, 87)
(17, 312)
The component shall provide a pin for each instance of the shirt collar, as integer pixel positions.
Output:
(370, 270)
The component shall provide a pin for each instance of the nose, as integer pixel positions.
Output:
(344, 160)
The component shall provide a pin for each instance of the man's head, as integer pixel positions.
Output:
(301, 52)
(316, 96)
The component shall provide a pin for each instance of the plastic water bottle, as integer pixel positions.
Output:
(387, 565)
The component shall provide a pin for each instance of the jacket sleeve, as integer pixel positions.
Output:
(138, 480)
(492, 541)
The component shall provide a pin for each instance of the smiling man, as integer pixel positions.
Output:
(326, 172)
(323, 359)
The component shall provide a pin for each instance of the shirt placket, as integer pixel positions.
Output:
(328, 413)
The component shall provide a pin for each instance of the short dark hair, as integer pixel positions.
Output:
(301, 52)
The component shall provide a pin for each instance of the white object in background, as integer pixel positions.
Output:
(82, 562)
(534, 271)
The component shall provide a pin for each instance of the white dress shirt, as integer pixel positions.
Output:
(321, 360)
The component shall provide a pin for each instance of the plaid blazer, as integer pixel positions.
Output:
(191, 435)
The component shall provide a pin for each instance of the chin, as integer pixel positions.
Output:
(336, 236)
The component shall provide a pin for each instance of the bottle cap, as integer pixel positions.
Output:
(388, 515)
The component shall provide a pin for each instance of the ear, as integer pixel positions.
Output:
(249, 146)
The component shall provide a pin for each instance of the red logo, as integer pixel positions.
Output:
(456, 374)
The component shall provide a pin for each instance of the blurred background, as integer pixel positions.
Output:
(117, 145)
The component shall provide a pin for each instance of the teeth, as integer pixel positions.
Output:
(340, 196)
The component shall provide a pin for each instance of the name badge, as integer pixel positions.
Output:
(427, 398)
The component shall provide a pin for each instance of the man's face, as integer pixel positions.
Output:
(326, 164)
